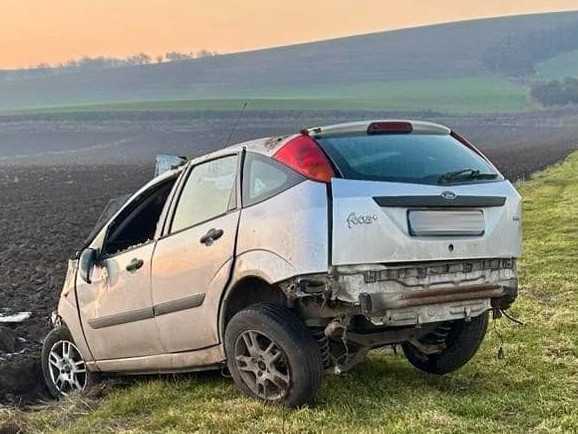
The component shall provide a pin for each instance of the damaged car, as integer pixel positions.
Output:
(284, 258)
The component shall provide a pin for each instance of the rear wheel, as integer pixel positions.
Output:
(272, 356)
(460, 341)
(63, 367)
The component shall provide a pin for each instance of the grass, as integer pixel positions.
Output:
(559, 67)
(459, 95)
(534, 389)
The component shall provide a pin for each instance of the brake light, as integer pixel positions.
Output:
(302, 154)
(390, 128)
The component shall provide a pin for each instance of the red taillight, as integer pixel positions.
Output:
(390, 128)
(302, 154)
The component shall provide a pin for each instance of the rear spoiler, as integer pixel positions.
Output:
(165, 162)
(377, 127)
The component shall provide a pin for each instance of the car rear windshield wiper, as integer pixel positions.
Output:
(465, 174)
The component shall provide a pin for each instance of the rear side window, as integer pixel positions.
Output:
(264, 178)
(408, 158)
(208, 193)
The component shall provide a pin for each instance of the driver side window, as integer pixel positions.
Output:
(136, 225)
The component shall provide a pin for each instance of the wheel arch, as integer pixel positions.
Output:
(245, 292)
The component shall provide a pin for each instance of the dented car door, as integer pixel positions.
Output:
(116, 307)
(192, 262)
(116, 304)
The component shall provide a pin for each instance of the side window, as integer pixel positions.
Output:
(137, 223)
(208, 192)
(264, 178)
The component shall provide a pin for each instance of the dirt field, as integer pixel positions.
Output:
(519, 143)
(58, 172)
(46, 212)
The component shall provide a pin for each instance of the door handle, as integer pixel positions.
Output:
(212, 235)
(134, 265)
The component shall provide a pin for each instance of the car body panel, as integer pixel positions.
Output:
(294, 240)
(187, 361)
(116, 307)
(184, 270)
(68, 312)
(365, 232)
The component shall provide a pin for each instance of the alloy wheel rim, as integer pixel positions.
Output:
(262, 365)
(67, 368)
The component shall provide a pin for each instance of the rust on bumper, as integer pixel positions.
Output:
(413, 294)
(380, 302)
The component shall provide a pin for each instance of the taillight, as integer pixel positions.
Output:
(390, 128)
(302, 154)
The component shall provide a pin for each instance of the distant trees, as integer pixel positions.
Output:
(175, 56)
(101, 62)
(206, 53)
(556, 92)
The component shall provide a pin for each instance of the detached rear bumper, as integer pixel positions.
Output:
(414, 294)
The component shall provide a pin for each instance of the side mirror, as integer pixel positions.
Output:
(86, 263)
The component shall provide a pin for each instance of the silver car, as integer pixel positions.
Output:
(284, 258)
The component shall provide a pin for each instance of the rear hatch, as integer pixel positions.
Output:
(417, 193)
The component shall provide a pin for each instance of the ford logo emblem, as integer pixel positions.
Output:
(449, 195)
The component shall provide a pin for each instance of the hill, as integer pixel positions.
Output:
(486, 51)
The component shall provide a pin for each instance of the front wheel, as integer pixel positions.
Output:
(272, 356)
(460, 341)
(63, 367)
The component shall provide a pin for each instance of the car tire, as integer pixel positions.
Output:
(63, 367)
(462, 340)
(272, 356)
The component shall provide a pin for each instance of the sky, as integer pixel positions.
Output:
(52, 31)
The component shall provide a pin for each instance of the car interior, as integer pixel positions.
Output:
(137, 224)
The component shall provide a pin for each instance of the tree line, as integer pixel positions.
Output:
(556, 92)
(102, 62)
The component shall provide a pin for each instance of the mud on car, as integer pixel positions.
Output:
(283, 258)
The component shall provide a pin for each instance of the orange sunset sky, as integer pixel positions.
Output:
(36, 31)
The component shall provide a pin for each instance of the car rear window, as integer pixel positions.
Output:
(408, 158)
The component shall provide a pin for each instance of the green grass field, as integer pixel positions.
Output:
(455, 96)
(559, 67)
(533, 389)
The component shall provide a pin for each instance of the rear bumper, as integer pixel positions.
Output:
(421, 307)
(422, 293)
(375, 303)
